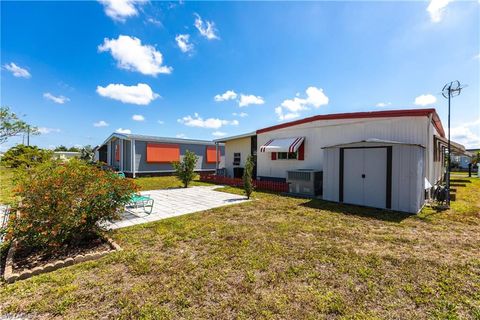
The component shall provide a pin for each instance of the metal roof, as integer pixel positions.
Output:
(240, 136)
(141, 137)
(362, 115)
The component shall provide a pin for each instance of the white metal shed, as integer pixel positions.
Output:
(375, 173)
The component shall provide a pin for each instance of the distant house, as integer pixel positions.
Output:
(66, 155)
(385, 159)
(464, 160)
(151, 155)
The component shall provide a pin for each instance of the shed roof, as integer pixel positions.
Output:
(363, 115)
(373, 141)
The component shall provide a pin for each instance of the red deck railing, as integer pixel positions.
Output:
(275, 186)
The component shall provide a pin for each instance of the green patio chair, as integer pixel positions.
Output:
(141, 201)
(121, 175)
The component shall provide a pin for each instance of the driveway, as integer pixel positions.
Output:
(175, 202)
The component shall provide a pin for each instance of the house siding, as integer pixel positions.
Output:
(242, 146)
(141, 165)
(322, 133)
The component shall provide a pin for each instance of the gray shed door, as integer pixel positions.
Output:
(365, 177)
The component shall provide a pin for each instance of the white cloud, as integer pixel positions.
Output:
(240, 114)
(130, 54)
(100, 124)
(219, 134)
(17, 71)
(227, 95)
(181, 136)
(45, 130)
(206, 29)
(291, 108)
(160, 122)
(183, 42)
(140, 94)
(154, 21)
(56, 99)
(246, 100)
(425, 99)
(119, 10)
(436, 9)
(124, 131)
(211, 123)
(383, 104)
(138, 117)
(467, 134)
(285, 116)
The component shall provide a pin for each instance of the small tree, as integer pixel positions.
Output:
(87, 153)
(184, 169)
(22, 156)
(11, 125)
(247, 177)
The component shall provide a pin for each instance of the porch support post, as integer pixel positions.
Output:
(121, 154)
(109, 153)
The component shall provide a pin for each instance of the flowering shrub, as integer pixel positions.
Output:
(66, 203)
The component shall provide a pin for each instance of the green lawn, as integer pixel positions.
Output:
(275, 257)
(152, 183)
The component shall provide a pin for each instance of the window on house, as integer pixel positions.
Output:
(287, 155)
(236, 159)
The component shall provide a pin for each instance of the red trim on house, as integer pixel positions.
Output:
(301, 151)
(294, 144)
(362, 115)
(262, 148)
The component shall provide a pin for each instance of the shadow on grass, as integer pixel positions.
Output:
(384, 215)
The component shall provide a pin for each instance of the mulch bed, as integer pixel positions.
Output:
(28, 259)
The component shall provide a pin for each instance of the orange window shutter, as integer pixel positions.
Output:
(211, 151)
(274, 156)
(117, 152)
(162, 153)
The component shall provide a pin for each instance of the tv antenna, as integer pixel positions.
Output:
(450, 90)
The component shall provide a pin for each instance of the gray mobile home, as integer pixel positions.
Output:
(151, 155)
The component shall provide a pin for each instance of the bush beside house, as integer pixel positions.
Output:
(64, 204)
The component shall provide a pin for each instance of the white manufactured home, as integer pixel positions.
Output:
(383, 159)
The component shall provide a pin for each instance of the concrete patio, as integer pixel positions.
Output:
(175, 202)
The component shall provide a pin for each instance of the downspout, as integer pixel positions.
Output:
(216, 157)
(133, 158)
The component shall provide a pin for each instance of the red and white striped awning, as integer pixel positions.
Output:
(282, 145)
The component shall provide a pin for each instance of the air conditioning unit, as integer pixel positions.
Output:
(305, 182)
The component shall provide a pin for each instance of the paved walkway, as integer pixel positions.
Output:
(176, 202)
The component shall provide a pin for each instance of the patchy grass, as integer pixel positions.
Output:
(275, 257)
(6, 185)
(154, 183)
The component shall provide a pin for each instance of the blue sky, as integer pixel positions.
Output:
(81, 70)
